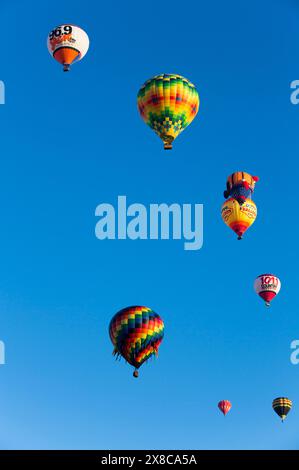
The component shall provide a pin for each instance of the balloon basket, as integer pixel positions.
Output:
(167, 146)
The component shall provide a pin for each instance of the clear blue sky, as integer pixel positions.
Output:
(71, 141)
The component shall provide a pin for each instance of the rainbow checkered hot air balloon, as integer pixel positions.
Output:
(136, 333)
(168, 103)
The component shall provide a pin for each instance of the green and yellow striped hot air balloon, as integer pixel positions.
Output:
(168, 103)
(282, 406)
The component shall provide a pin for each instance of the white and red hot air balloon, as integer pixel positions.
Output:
(267, 287)
(224, 406)
(67, 43)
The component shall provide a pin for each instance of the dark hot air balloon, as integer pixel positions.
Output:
(282, 406)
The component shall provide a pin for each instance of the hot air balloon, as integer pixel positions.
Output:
(239, 217)
(267, 287)
(68, 43)
(240, 186)
(168, 104)
(136, 333)
(224, 406)
(282, 406)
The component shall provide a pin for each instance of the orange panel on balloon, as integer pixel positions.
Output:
(66, 55)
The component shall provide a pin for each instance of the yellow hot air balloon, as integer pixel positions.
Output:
(168, 104)
(68, 43)
(239, 217)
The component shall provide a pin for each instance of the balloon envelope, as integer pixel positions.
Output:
(168, 103)
(282, 406)
(67, 43)
(267, 286)
(224, 406)
(136, 333)
(238, 217)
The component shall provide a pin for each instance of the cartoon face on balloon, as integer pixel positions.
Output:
(240, 186)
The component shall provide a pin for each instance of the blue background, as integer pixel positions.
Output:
(72, 141)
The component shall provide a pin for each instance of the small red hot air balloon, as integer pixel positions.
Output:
(224, 406)
(267, 286)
